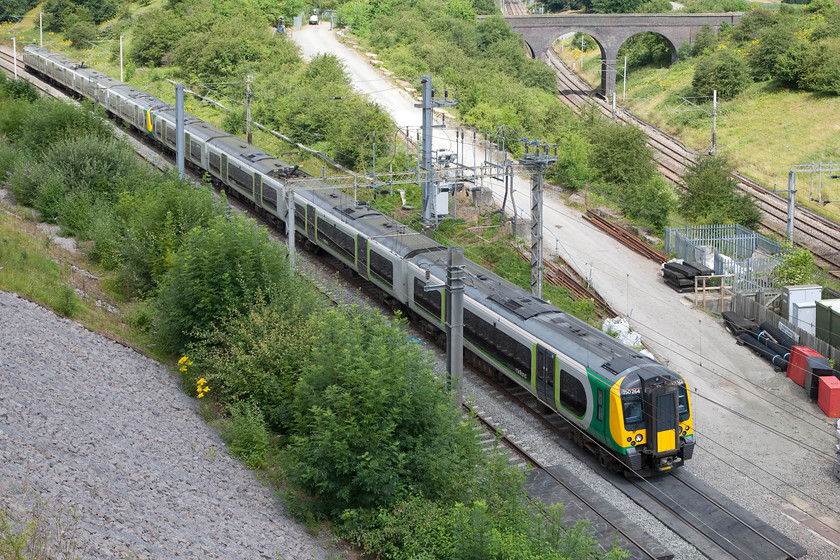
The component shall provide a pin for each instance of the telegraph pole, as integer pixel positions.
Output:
(714, 122)
(14, 55)
(455, 322)
(179, 128)
(427, 186)
(454, 304)
(537, 163)
(121, 58)
(248, 107)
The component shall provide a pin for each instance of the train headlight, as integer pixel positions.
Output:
(638, 438)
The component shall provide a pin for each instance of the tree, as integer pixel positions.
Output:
(773, 42)
(225, 266)
(723, 71)
(821, 67)
(712, 197)
(703, 41)
(615, 6)
(373, 422)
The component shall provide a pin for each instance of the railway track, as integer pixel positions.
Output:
(625, 237)
(813, 231)
(728, 530)
(711, 522)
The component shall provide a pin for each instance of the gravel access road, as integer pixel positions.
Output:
(91, 427)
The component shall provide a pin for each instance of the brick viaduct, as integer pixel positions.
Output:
(610, 31)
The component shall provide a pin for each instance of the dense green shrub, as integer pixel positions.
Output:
(228, 265)
(620, 154)
(155, 36)
(10, 8)
(821, 67)
(723, 71)
(63, 14)
(373, 422)
(712, 196)
(80, 33)
(17, 89)
(246, 434)
(705, 41)
(49, 122)
(149, 226)
(773, 43)
(257, 355)
(74, 173)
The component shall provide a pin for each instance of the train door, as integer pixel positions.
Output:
(546, 368)
(258, 197)
(223, 172)
(361, 256)
(662, 422)
(601, 411)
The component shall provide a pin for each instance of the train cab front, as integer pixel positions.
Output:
(655, 429)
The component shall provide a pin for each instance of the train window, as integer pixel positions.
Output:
(633, 419)
(243, 179)
(361, 255)
(572, 393)
(195, 150)
(269, 197)
(170, 135)
(215, 162)
(300, 216)
(666, 413)
(332, 236)
(504, 349)
(683, 404)
(429, 301)
(382, 267)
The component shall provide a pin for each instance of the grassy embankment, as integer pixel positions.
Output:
(763, 131)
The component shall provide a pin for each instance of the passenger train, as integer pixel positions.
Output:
(633, 412)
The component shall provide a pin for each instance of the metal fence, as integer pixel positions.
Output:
(746, 306)
(733, 240)
(729, 249)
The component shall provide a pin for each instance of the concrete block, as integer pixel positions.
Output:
(482, 196)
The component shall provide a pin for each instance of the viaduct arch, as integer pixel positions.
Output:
(610, 31)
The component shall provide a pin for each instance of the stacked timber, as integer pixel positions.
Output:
(680, 275)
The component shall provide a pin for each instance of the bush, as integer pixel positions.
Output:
(821, 67)
(773, 43)
(258, 355)
(151, 223)
(372, 421)
(80, 33)
(704, 41)
(17, 89)
(246, 434)
(49, 122)
(723, 71)
(226, 266)
(75, 173)
(712, 195)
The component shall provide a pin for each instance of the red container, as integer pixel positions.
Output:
(829, 396)
(798, 365)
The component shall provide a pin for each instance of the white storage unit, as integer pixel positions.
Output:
(804, 316)
(798, 294)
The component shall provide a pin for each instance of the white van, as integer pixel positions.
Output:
(313, 20)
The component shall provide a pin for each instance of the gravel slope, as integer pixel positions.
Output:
(88, 424)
